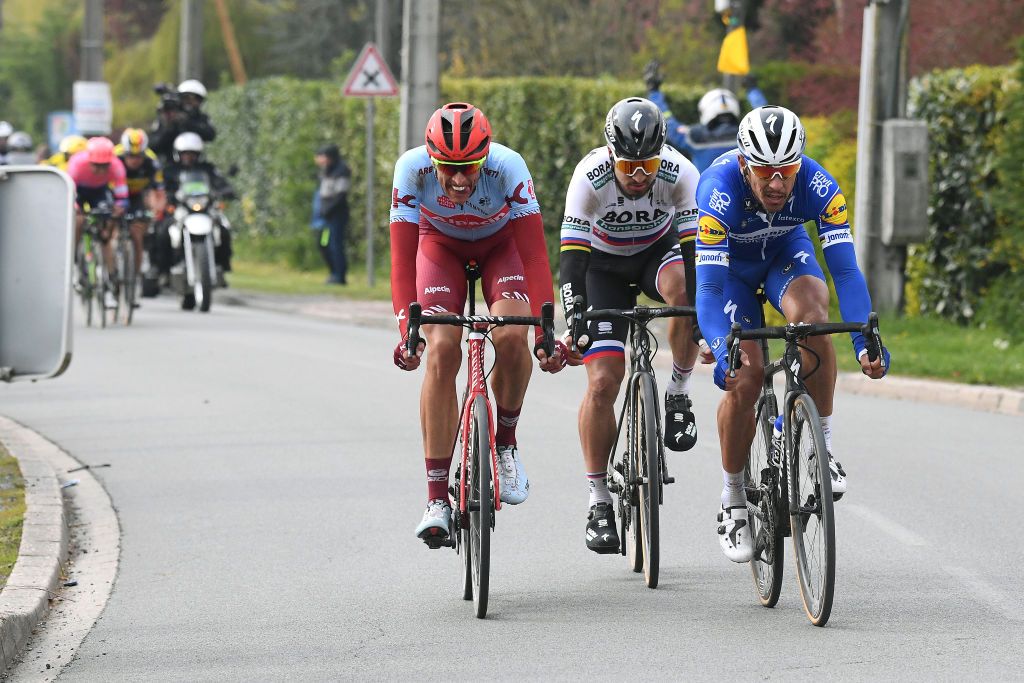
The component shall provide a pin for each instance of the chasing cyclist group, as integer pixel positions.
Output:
(639, 217)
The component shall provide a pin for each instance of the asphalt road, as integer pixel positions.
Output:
(267, 474)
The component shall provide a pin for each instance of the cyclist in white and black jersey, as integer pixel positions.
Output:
(629, 207)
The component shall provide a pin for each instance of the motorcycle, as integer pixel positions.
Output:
(195, 233)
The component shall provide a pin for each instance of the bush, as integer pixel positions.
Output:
(964, 109)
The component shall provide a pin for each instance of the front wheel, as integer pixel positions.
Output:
(102, 281)
(811, 513)
(127, 284)
(645, 463)
(763, 505)
(480, 501)
(204, 279)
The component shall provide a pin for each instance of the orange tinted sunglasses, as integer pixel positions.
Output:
(630, 166)
(453, 167)
(768, 172)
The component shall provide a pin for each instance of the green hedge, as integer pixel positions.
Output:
(951, 274)
(269, 129)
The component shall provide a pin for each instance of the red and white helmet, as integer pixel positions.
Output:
(457, 132)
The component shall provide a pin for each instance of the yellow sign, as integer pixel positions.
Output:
(734, 58)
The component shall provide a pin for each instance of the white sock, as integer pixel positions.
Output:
(826, 428)
(733, 494)
(679, 383)
(597, 484)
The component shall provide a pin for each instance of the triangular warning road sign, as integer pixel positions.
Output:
(370, 77)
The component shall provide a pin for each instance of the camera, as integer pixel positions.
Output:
(169, 99)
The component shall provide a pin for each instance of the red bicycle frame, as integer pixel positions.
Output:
(476, 385)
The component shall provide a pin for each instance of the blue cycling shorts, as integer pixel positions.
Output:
(786, 260)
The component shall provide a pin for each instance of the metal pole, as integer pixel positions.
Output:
(370, 275)
(420, 89)
(381, 29)
(92, 42)
(190, 41)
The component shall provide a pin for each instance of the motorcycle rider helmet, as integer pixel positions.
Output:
(134, 141)
(72, 144)
(19, 141)
(771, 136)
(458, 132)
(716, 103)
(188, 142)
(192, 87)
(5, 129)
(635, 129)
(99, 150)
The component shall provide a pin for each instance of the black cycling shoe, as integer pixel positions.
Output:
(680, 425)
(601, 534)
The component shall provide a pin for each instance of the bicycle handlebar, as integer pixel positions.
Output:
(640, 314)
(546, 322)
(795, 331)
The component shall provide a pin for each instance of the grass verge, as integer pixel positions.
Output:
(12, 512)
(275, 278)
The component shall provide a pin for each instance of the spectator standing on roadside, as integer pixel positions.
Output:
(335, 178)
(719, 111)
(318, 227)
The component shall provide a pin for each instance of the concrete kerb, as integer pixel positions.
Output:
(37, 573)
(379, 314)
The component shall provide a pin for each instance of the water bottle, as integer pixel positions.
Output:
(776, 454)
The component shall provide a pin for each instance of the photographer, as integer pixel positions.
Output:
(179, 112)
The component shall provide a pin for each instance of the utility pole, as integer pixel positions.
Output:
(381, 30)
(420, 89)
(227, 31)
(92, 42)
(883, 95)
(190, 41)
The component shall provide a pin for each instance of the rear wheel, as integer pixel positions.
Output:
(480, 501)
(762, 486)
(812, 519)
(648, 462)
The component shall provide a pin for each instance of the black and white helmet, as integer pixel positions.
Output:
(635, 129)
(771, 136)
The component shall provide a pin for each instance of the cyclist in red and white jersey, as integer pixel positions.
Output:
(462, 197)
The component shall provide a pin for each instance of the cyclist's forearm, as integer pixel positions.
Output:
(404, 242)
(710, 300)
(572, 276)
(528, 232)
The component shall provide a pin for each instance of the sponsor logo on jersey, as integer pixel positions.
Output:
(719, 201)
(511, 278)
(599, 172)
(668, 171)
(710, 230)
(633, 218)
(436, 289)
(405, 199)
(517, 195)
(574, 223)
(820, 184)
(835, 212)
(442, 200)
(834, 237)
(712, 258)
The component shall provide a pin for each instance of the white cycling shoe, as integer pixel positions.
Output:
(435, 527)
(515, 487)
(838, 477)
(734, 533)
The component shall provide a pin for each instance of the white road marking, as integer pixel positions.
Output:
(986, 593)
(894, 529)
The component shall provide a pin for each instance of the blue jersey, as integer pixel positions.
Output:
(739, 243)
(504, 192)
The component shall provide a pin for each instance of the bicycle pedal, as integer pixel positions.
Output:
(435, 542)
(669, 480)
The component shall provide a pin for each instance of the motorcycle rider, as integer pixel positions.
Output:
(180, 112)
(188, 156)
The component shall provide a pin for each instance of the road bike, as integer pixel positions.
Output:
(637, 473)
(93, 280)
(125, 269)
(476, 486)
(787, 480)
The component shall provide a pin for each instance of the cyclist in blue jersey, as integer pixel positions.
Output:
(719, 111)
(753, 202)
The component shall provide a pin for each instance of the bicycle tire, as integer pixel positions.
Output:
(461, 546)
(480, 500)
(85, 281)
(101, 281)
(128, 282)
(812, 518)
(629, 498)
(649, 462)
(204, 281)
(764, 506)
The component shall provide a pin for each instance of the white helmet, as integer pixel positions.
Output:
(20, 142)
(771, 136)
(5, 129)
(188, 142)
(193, 87)
(716, 102)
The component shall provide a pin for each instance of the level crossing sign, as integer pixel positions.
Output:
(370, 77)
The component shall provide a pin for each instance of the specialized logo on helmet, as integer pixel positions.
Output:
(835, 212)
(770, 121)
(636, 118)
(710, 230)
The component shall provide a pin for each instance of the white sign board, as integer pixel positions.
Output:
(36, 234)
(94, 110)
(370, 77)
